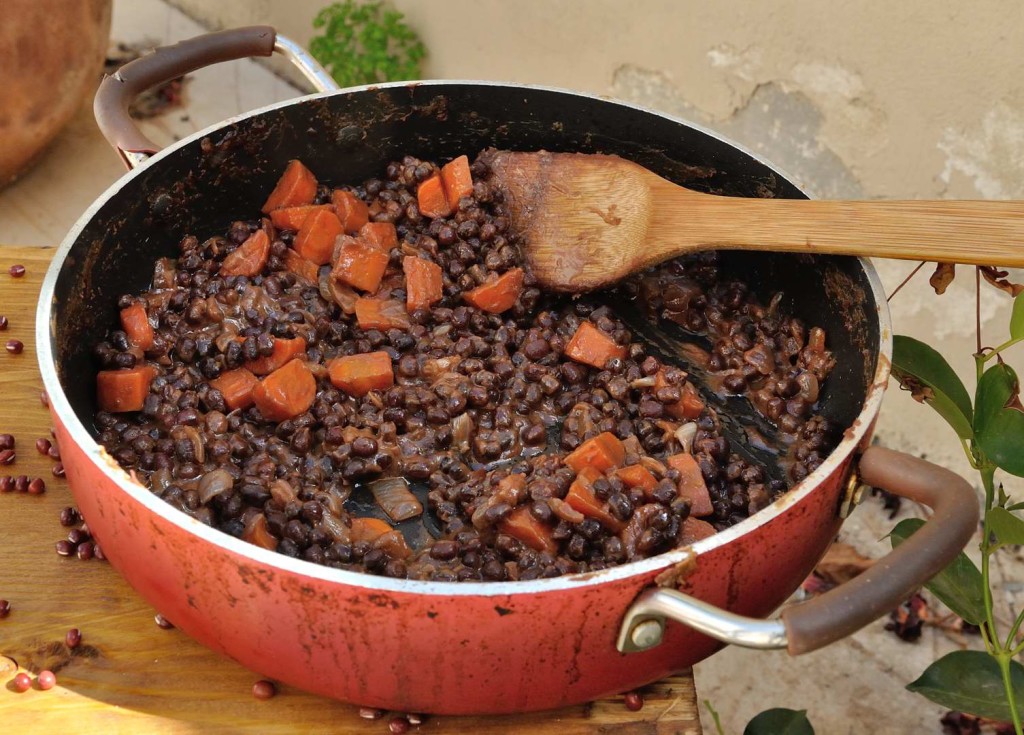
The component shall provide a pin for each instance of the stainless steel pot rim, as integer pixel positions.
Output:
(850, 443)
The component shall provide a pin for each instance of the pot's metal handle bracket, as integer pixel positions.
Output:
(839, 612)
(644, 624)
(117, 91)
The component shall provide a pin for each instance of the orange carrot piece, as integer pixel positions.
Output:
(369, 529)
(498, 294)
(582, 499)
(689, 406)
(520, 524)
(458, 182)
(604, 452)
(248, 258)
(236, 386)
(593, 347)
(637, 476)
(357, 375)
(423, 283)
(691, 484)
(135, 323)
(431, 198)
(118, 391)
(286, 392)
(315, 241)
(360, 265)
(694, 530)
(381, 314)
(382, 235)
(300, 266)
(285, 350)
(297, 186)
(351, 210)
(291, 218)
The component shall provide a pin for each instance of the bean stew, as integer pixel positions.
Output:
(367, 377)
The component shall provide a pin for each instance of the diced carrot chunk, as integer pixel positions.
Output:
(691, 484)
(593, 347)
(520, 524)
(360, 265)
(604, 452)
(351, 210)
(381, 314)
(637, 476)
(498, 294)
(458, 182)
(286, 392)
(431, 198)
(297, 186)
(118, 391)
(424, 285)
(236, 386)
(301, 267)
(369, 529)
(689, 405)
(285, 350)
(135, 323)
(357, 375)
(382, 235)
(694, 530)
(249, 258)
(291, 218)
(582, 499)
(393, 544)
(315, 241)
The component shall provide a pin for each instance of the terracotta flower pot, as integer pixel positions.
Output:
(52, 54)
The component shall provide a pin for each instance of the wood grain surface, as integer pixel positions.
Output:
(131, 676)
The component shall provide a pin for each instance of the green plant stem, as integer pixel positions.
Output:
(714, 716)
(1001, 653)
(1005, 345)
(1010, 642)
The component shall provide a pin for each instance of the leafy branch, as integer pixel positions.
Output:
(988, 683)
(366, 43)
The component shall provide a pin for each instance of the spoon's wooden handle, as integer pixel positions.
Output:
(976, 232)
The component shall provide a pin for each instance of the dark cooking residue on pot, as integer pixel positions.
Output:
(367, 378)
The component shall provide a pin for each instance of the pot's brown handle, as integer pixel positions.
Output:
(841, 611)
(881, 588)
(117, 90)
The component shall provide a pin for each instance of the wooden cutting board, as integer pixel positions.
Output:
(131, 676)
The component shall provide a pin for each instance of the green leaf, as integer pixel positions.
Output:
(1008, 528)
(1016, 506)
(780, 721)
(958, 586)
(999, 419)
(970, 681)
(1017, 318)
(931, 380)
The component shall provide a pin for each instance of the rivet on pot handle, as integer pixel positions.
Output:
(117, 90)
(839, 612)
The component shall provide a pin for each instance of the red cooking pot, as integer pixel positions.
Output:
(468, 648)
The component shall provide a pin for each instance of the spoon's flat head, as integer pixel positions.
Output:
(583, 217)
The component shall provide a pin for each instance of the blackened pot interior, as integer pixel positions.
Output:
(207, 183)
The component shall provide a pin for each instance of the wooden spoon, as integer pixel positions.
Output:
(590, 220)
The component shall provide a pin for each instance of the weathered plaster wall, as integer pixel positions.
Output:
(915, 98)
